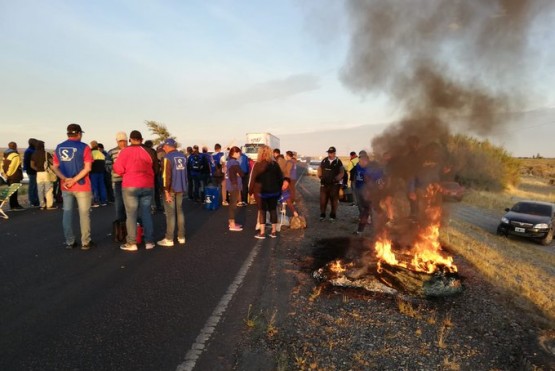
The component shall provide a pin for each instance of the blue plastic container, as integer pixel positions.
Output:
(212, 199)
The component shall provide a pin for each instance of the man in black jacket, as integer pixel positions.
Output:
(331, 173)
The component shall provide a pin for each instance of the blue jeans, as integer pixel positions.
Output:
(137, 201)
(118, 201)
(84, 206)
(33, 191)
(98, 188)
(173, 209)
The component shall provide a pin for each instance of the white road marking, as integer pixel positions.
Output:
(198, 346)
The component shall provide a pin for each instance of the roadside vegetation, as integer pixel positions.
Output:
(481, 165)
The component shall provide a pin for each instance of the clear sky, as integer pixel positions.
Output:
(211, 71)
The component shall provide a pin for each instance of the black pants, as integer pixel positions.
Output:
(329, 192)
(245, 190)
(14, 203)
(268, 204)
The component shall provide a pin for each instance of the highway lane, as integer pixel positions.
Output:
(109, 309)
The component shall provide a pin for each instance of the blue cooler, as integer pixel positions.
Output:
(212, 199)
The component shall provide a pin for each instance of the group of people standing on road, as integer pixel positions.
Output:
(134, 170)
(376, 180)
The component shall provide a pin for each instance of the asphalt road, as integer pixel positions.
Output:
(488, 221)
(107, 309)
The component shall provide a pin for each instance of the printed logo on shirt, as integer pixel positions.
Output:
(179, 163)
(67, 153)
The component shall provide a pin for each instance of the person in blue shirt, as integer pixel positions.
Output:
(174, 185)
(234, 185)
(244, 164)
(360, 185)
(217, 169)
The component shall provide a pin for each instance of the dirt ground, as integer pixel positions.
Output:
(324, 327)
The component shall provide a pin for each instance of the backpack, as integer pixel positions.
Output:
(119, 230)
(197, 163)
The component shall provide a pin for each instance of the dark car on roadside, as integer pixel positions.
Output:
(531, 219)
(452, 191)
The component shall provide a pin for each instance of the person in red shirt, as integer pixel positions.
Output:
(137, 167)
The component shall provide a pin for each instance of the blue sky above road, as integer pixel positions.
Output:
(209, 70)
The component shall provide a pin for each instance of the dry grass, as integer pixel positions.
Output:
(530, 188)
(521, 269)
(407, 309)
(540, 167)
(251, 319)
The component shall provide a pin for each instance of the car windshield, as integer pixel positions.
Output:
(314, 163)
(532, 209)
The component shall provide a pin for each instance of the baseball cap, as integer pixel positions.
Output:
(135, 134)
(170, 142)
(121, 136)
(331, 149)
(74, 129)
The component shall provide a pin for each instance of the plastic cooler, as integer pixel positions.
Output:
(212, 199)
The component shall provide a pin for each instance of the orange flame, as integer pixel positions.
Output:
(426, 249)
(384, 253)
(337, 267)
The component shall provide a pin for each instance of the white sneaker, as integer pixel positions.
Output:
(149, 245)
(165, 242)
(129, 247)
(181, 240)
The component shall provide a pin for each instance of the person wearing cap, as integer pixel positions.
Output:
(100, 197)
(121, 140)
(137, 167)
(331, 173)
(72, 164)
(174, 186)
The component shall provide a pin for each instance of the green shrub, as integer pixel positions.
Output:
(482, 165)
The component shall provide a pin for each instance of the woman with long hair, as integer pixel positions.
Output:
(266, 182)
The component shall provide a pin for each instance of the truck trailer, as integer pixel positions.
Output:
(255, 140)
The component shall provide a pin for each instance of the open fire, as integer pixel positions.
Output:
(421, 269)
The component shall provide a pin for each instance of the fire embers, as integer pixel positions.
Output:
(390, 279)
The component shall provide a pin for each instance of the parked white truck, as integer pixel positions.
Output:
(255, 140)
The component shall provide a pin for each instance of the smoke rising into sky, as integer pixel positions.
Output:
(444, 63)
